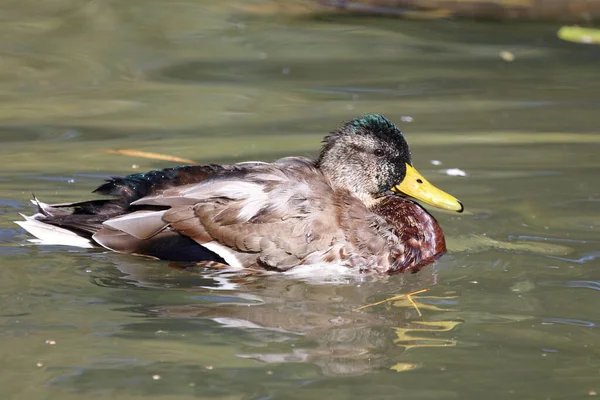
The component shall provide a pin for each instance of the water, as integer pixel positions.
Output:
(511, 310)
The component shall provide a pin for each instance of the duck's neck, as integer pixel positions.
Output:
(342, 177)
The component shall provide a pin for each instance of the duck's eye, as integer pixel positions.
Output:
(379, 152)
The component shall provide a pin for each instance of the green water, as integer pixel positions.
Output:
(512, 310)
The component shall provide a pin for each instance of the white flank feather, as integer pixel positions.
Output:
(224, 253)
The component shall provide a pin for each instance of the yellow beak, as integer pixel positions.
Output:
(414, 185)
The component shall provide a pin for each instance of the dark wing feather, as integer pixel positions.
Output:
(133, 187)
(87, 217)
(167, 245)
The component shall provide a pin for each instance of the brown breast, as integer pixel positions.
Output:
(421, 235)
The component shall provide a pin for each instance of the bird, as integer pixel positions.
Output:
(352, 206)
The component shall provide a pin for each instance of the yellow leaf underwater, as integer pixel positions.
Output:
(152, 156)
(412, 337)
(401, 367)
(578, 34)
(476, 243)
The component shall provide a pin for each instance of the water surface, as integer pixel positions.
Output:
(511, 310)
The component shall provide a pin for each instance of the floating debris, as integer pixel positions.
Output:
(523, 286)
(407, 295)
(455, 172)
(50, 342)
(507, 56)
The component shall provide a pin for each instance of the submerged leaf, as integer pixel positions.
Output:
(412, 337)
(401, 367)
(476, 243)
(152, 156)
(578, 34)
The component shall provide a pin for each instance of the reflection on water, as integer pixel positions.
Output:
(284, 320)
(511, 309)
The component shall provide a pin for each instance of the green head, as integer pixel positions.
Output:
(369, 156)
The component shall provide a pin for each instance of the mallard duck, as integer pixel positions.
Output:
(347, 207)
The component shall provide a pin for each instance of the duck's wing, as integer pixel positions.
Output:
(133, 187)
(277, 213)
(123, 191)
(85, 218)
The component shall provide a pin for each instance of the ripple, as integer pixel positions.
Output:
(581, 260)
(548, 239)
(17, 205)
(568, 321)
(595, 285)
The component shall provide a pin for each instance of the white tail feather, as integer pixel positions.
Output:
(47, 234)
(38, 203)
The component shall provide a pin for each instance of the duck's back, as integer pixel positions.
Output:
(271, 215)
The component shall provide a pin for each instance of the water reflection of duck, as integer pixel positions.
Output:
(337, 210)
(277, 321)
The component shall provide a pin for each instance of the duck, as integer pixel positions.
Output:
(354, 205)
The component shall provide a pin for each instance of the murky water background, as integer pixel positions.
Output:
(512, 310)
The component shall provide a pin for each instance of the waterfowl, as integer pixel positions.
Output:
(348, 207)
